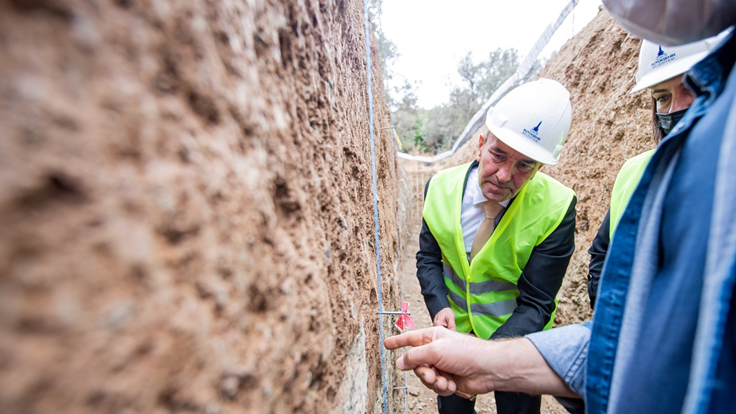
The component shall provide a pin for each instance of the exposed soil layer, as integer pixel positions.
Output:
(186, 208)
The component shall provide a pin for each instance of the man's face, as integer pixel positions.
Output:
(502, 171)
(672, 95)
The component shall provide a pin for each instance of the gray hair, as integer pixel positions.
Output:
(485, 132)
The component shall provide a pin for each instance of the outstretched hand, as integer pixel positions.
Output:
(445, 361)
(449, 362)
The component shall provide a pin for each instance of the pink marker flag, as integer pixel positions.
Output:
(404, 322)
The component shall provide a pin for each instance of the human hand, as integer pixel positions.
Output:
(445, 318)
(446, 362)
(449, 362)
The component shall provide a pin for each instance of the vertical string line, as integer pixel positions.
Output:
(395, 162)
(375, 202)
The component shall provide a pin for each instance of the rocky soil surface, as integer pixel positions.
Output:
(186, 208)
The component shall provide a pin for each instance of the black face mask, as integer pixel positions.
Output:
(668, 121)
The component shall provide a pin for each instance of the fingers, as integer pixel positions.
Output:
(418, 356)
(445, 318)
(427, 375)
(440, 319)
(436, 380)
(451, 323)
(411, 338)
(447, 384)
(464, 395)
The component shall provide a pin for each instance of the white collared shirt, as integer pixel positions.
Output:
(473, 214)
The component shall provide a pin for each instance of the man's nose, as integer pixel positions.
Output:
(505, 172)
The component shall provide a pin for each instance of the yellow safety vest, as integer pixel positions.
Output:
(483, 294)
(624, 186)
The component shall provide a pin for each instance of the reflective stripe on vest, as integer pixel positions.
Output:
(483, 294)
(480, 287)
(488, 309)
(624, 186)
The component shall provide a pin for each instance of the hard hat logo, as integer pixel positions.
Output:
(533, 133)
(663, 58)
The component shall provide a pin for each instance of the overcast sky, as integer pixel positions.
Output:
(433, 35)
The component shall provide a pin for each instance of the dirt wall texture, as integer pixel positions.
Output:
(609, 125)
(186, 208)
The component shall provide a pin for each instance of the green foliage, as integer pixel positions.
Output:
(436, 129)
(407, 117)
(440, 126)
(501, 64)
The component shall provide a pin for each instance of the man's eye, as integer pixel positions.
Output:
(661, 98)
(525, 167)
(496, 157)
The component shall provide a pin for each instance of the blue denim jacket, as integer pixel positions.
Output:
(590, 357)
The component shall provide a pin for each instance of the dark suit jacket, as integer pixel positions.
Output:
(538, 284)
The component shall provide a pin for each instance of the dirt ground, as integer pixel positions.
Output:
(186, 208)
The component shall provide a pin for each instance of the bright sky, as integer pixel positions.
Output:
(433, 35)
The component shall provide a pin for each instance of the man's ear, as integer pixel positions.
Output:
(481, 141)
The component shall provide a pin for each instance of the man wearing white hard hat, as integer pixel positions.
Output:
(498, 234)
(661, 70)
(663, 337)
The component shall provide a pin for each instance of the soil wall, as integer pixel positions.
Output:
(186, 208)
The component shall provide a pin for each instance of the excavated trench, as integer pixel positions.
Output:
(186, 204)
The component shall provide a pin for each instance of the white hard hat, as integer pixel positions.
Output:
(533, 119)
(659, 63)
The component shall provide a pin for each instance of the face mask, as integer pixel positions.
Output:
(668, 121)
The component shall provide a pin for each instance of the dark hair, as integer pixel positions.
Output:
(657, 132)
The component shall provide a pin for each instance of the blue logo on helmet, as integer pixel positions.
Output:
(532, 133)
(662, 58)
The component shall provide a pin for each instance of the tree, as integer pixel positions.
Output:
(481, 80)
(445, 123)
(436, 129)
(439, 127)
(500, 65)
(407, 117)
